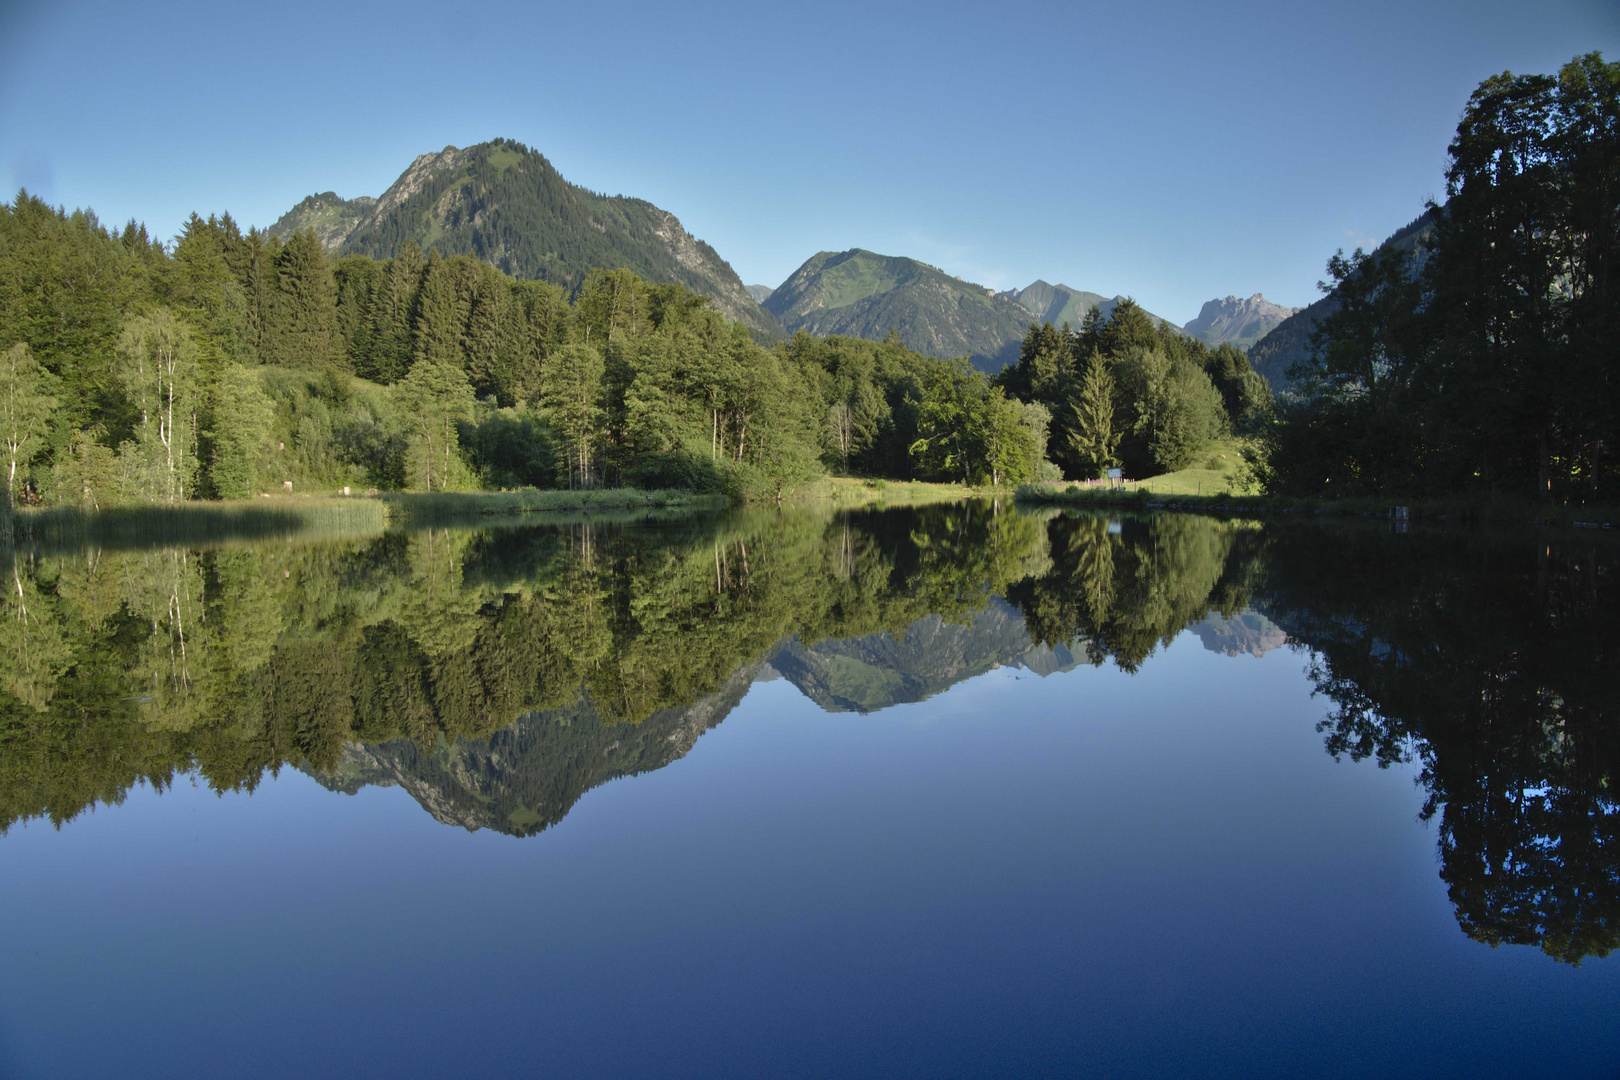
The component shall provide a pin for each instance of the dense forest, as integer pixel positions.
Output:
(1128, 392)
(229, 364)
(1486, 361)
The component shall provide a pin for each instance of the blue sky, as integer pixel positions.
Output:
(1173, 151)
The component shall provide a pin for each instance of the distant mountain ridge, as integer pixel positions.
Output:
(859, 293)
(1060, 304)
(1290, 342)
(1237, 322)
(507, 205)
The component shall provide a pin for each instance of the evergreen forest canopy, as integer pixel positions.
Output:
(1484, 660)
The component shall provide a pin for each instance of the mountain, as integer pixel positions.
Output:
(760, 293)
(865, 674)
(858, 293)
(526, 777)
(1248, 634)
(1238, 322)
(1290, 342)
(1059, 304)
(506, 204)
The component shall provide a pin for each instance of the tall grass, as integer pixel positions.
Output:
(408, 508)
(72, 529)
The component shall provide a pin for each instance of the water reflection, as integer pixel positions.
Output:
(498, 675)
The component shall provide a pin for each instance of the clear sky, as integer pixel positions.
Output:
(1175, 151)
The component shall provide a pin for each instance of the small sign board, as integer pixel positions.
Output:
(1116, 474)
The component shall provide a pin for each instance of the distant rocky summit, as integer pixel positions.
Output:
(1238, 322)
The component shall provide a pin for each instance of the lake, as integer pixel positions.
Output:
(959, 790)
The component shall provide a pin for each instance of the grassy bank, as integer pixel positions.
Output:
(854, 491)
(406, 508)
(1471, 509)
(69, 528)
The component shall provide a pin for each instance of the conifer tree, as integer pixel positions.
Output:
(436, 326)
(1093, 441)
(302, 329)
(571, 389)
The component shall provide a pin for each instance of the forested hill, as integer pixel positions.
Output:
(859, 293)
(1290, 342)
(507, 205)
(1060, 304)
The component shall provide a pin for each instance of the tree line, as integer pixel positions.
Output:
(1123, 392)
(229, 363)
(1487, 360)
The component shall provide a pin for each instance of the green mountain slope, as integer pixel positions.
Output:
(1059, 304)
(1290, 342)
(858, 293)
(506, 204)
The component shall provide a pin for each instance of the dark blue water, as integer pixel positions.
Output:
(1091, 872)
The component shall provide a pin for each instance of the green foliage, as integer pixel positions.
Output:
(158, 369)
(1486, 360)
(432, 400)
(1093, 442)
(243, 418)
(301, 325)
(26, 405)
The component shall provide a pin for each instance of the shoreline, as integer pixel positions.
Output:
(1481, 511)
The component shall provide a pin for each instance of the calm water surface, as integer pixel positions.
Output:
(940, 792)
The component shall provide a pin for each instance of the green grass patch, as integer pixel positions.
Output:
(449, 506)
(195, 524)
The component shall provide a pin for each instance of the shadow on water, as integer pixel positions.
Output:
(498, 674)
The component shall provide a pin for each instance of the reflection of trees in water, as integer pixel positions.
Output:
(1492, 666)
(1487, 662)
(134, 666)
(1129, 589)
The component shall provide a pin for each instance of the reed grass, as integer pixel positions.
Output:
(194, 523)
(406, 508)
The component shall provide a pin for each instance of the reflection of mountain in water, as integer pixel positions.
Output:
(525, 778)
(865, 674)
(1250, 633)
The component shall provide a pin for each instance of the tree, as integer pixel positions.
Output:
(158, 367)
(26, 406)
(243, 414)
(571, 390)
(1128, 328)
(1093, 441)
(432, 398)
(302, 328)
(85, 472)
